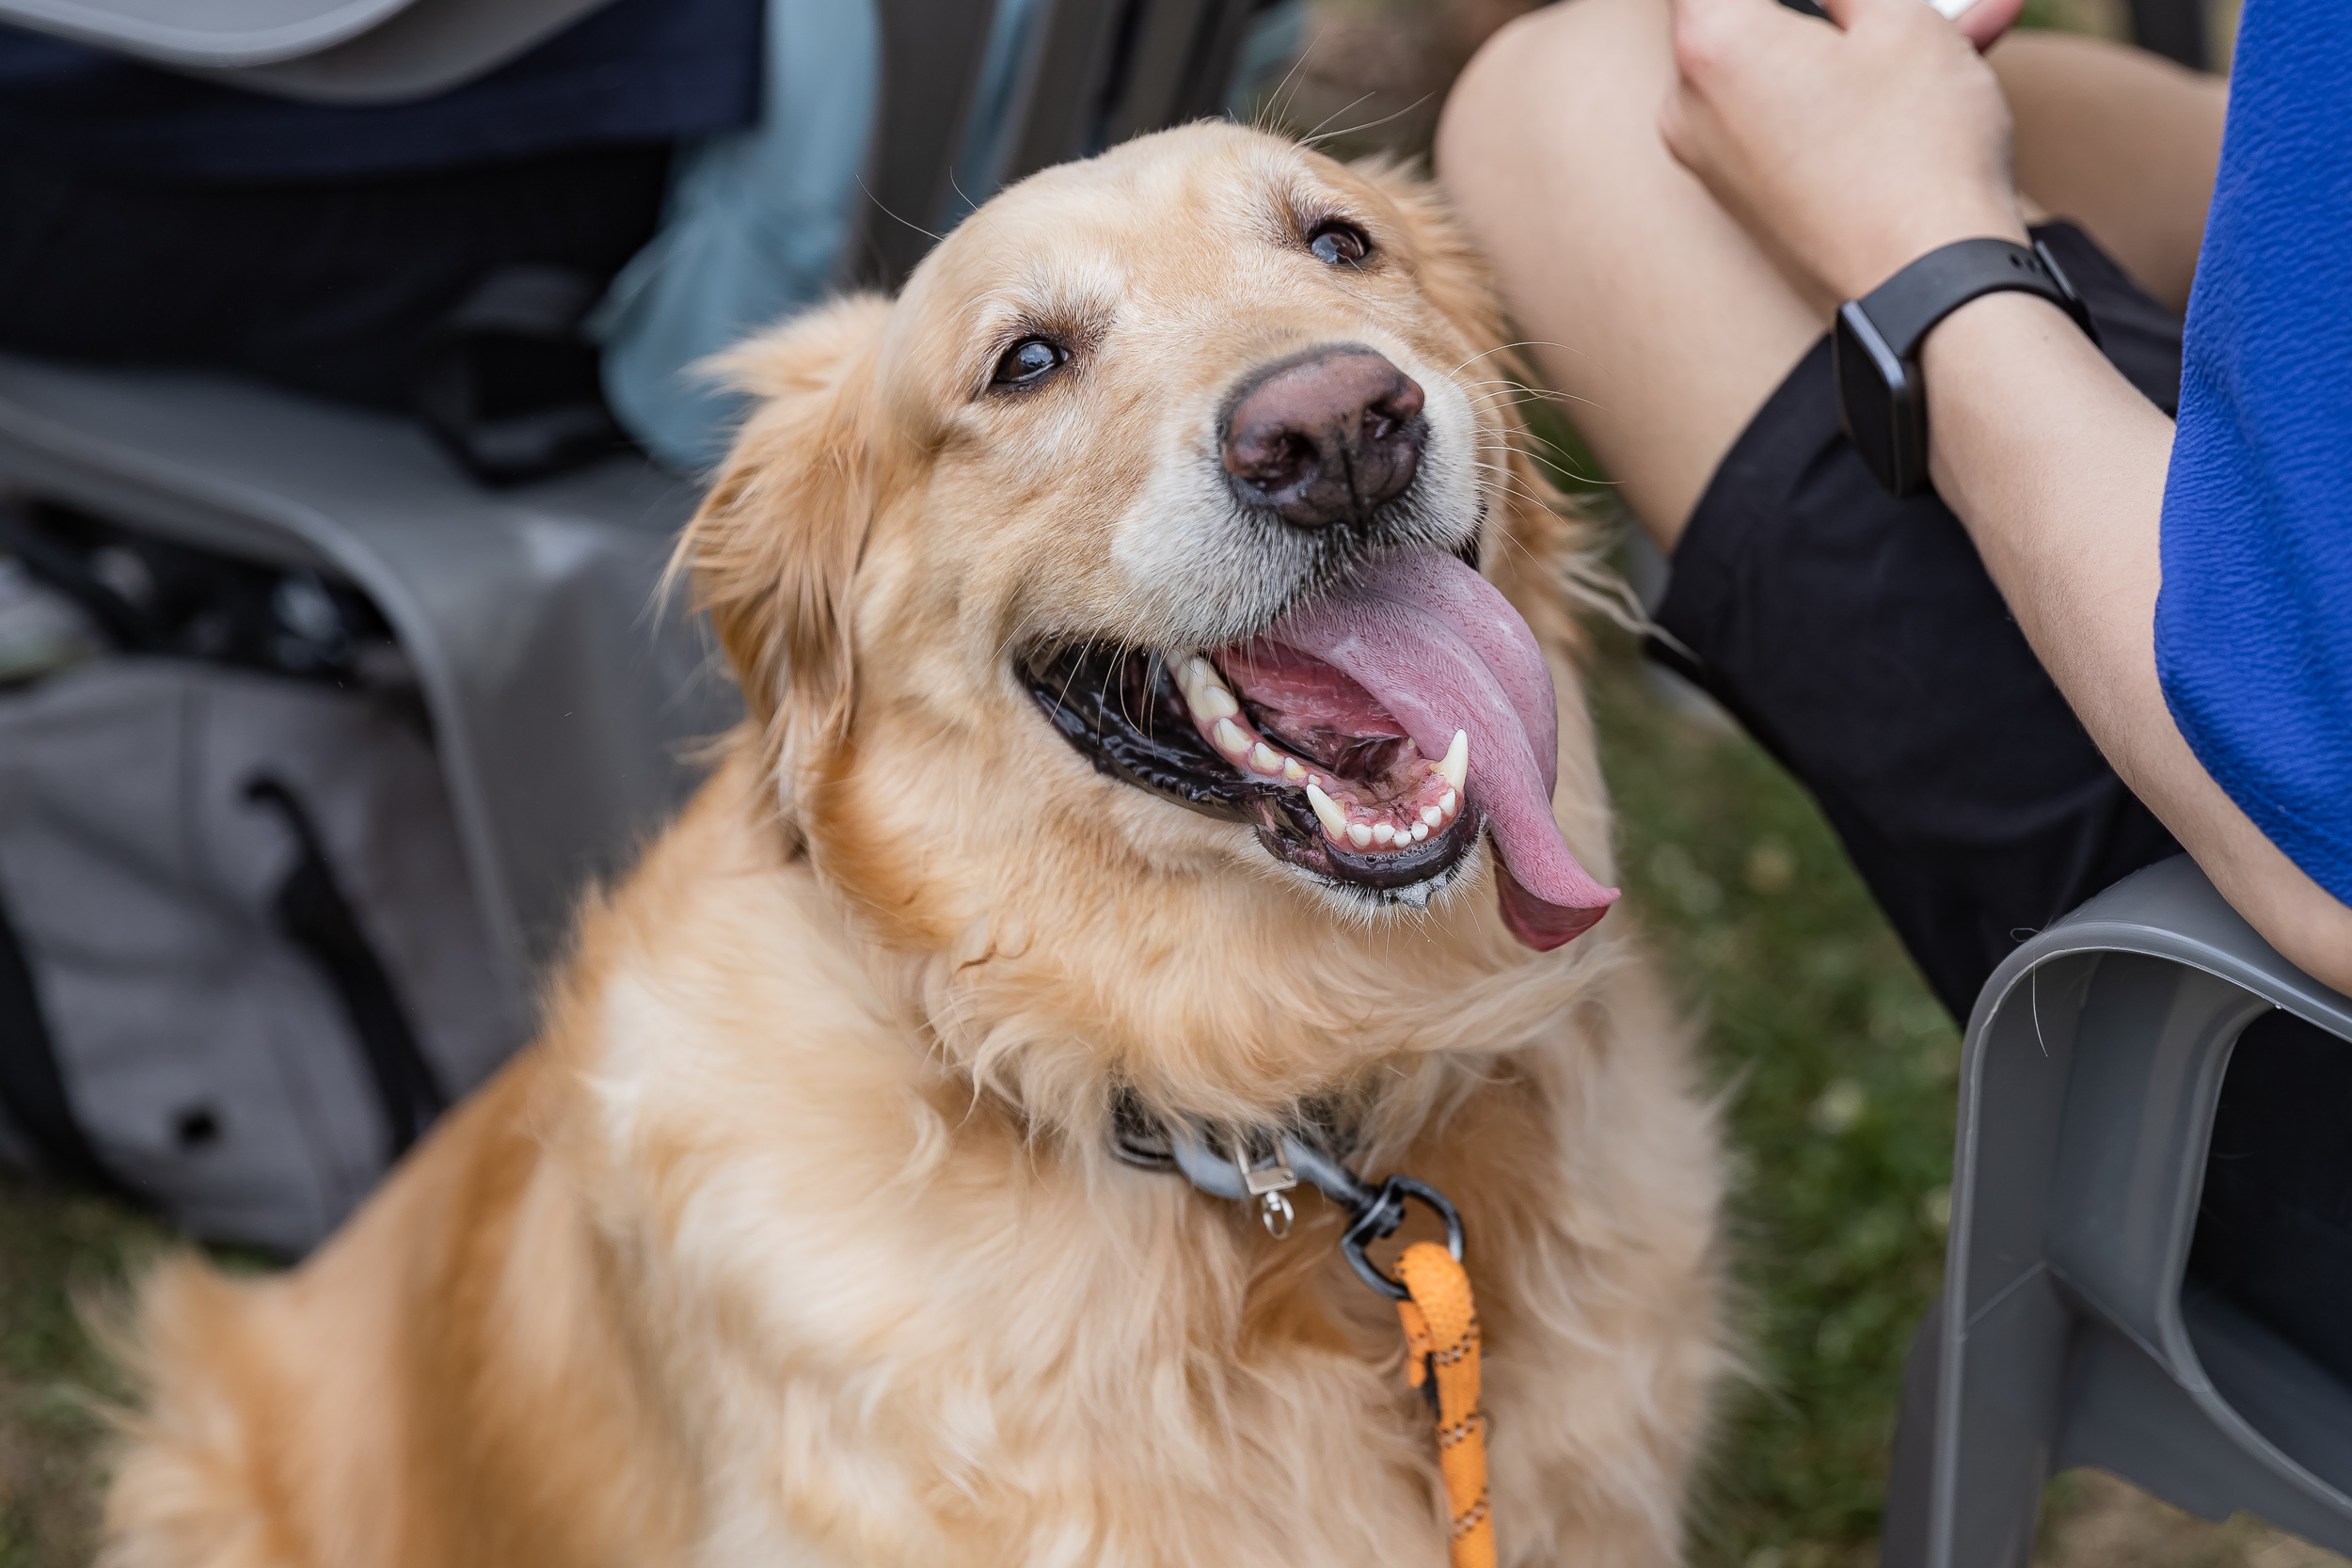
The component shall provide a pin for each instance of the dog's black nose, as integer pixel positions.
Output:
(1325, 437)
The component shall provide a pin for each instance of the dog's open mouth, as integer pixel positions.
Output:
(1368, 734)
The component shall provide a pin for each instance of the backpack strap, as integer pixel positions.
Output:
(32, 1087)
(314, 913)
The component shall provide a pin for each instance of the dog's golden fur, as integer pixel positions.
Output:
(797, 1237)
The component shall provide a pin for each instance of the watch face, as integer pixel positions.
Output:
(1876, 401)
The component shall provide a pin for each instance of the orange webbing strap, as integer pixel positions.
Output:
(1441, 1334)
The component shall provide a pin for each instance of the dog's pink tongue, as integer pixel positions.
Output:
(1443, 651)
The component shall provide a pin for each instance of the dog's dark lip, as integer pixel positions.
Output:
(1119, 709)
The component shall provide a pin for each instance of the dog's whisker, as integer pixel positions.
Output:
(1538, 458)
(1510, 348)
(1520, 396)
(885, 211)
(1270, 108)
(1368, 125)
(1309, 139)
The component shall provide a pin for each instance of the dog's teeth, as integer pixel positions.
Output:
(1448, 801)
(1229, 740)
(1431, 816)
(1263, 759)
(1314, 781)
(1292, 772)
(1204, 688)
(1421, 831)
(1328, 812)
(1456, 764)
(1358, 834)
(1382, 833)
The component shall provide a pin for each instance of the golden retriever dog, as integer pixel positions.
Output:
(1163, 714)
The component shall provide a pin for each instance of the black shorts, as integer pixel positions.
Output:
(1860, 640)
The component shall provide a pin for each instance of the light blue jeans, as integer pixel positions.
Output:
(753, 230)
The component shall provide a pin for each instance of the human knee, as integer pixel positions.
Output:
(1585, 73)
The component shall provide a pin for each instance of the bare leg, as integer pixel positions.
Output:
(1654, 309)
(1647, 302)
(2121, 142)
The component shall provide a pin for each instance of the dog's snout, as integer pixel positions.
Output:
(1325, 437)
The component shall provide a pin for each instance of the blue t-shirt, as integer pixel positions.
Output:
(637, 70)
(2254, 621)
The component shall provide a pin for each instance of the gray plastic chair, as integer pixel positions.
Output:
(564, 708)
(325, 51)
(2089, 1078)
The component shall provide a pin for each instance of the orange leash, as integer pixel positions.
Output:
(1430, 1288)
(1441, 1339)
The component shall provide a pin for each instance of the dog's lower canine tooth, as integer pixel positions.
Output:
(1328, 812)
(1456, 764)
(1230, 740)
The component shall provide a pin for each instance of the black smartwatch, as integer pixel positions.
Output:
(1881, 401)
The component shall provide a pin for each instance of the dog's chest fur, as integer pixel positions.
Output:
(889, 1321)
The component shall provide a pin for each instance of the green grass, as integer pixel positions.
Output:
(1839, 1069)
(54, 1248)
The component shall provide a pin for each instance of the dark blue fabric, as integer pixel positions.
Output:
(2254, 623)
(637, 72)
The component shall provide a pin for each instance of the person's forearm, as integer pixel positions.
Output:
(2057, 466)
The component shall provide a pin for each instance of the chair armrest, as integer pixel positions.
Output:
(2170, 911)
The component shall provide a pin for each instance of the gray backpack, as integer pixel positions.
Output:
(240, 968)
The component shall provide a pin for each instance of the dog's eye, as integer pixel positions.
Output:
(1339, 244)
(1027, 362)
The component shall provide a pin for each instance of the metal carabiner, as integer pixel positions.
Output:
(1378, 1220)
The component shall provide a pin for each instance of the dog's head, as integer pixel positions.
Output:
(1121, 576)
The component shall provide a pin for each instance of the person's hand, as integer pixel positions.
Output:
(1850, 150)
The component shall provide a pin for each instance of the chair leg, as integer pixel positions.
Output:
(1904, 1533)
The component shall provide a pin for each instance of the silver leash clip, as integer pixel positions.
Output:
(1268, 1183)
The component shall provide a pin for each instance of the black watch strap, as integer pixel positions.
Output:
(1875, 345)
(1914, 299)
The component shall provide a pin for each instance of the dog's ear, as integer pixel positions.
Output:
(776, 543)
